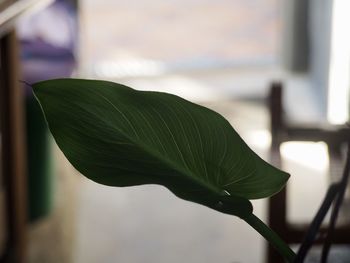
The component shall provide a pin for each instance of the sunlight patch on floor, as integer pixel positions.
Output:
(308, 164)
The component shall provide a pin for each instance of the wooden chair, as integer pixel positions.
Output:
(282, 131)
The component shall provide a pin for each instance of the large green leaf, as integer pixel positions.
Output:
(118, 136)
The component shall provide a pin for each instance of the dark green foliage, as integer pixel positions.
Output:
(118, 136)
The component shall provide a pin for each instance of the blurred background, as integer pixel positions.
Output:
(278, 70)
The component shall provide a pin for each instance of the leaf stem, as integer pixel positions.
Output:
(271, 237)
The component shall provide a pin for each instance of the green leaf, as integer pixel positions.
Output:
(118, 136)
